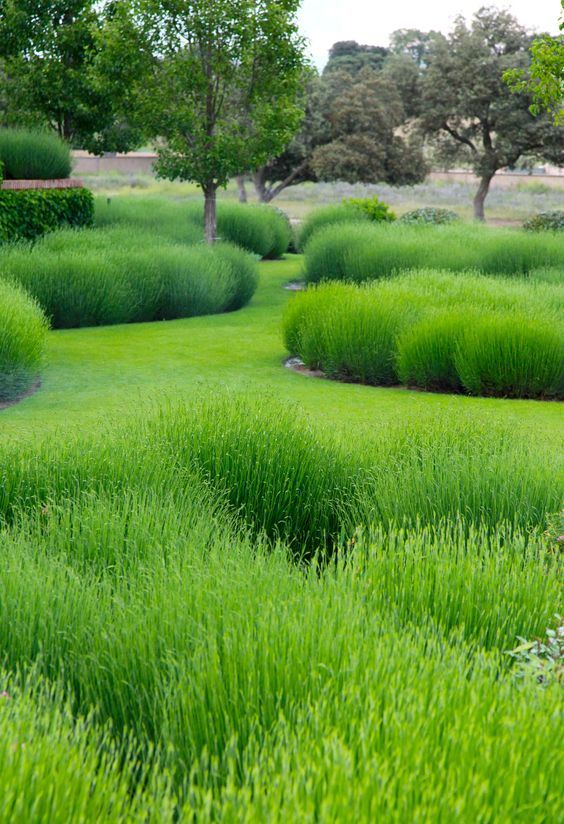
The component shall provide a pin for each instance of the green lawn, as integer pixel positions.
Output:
(94, 373)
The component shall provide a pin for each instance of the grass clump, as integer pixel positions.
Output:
(512, 357)
(91, 278)
(368, 252)
(261, 230)
(23, 332)
(56, 767)
(329, 216)
(435, 331)
(27, 155)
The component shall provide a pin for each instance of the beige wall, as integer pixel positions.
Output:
(134, 162)
(501, 181)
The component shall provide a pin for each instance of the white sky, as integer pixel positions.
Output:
(324, 22)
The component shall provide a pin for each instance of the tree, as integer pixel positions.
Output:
(355, 128)
(365, 145)
(465, 100)
(545, 79)
(351, 57)
(220, 88)
(48, 49)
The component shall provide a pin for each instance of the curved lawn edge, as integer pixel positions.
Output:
(31, 390)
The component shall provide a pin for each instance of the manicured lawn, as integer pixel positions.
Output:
(95, 373)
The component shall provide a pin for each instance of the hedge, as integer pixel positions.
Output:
(29, 213)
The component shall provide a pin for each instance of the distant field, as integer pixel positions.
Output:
(503, 206)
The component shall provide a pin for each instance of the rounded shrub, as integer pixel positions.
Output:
(430, 214)
(375, 208)
(546, 221)
(329, 216)
(426, 352)
(90, 284)
(259, 229)
(511, 356)
(23, 330)
(435, 331)
(28, 155)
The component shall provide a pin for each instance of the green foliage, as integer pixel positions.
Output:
(262, 230)
(26, 214)
(430, 214)
(451, 85)
(57, 75)
(329, 216)
(23, 330)
(435, 331)
(368, 252)
(552, 221)
(27, 155)
(219, 88)
(51, 761)
(375, 208)
(105, 277)
(512, 356)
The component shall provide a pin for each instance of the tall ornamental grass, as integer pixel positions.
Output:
(56, 767)
(261, 230)
(437, 331)
(330, 216)
(28, 155)
(369, 252)
(279, 475)
(23, 332)
(244, 671)
(80, 282)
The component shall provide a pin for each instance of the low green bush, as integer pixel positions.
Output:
(23, 330)
(430, 214)
(425, 352)
(368, 252)
(259, 229)
(329, 216)
(26, 214)
(89, 279)
(514, 356)
(546, 221)
(437, 331)
(375, 208)
(27, 155)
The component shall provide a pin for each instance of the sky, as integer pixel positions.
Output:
(324, 22)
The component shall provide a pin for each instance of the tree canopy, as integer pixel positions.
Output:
(466, 103)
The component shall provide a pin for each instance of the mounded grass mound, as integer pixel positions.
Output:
(28, 155)
(368, 252)
(330, 216)
(486, 336)
(91, 279)
(142, 574)
(261, 230)
(23, 329)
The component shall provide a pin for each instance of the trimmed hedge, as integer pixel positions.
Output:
(27, 214)
(435, 331)
(88, 279)
(27, 155)
(23, 329)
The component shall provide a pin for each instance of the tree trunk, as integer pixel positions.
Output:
(480, 197)
(241, 188)
(210, 217)
(260, 186)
